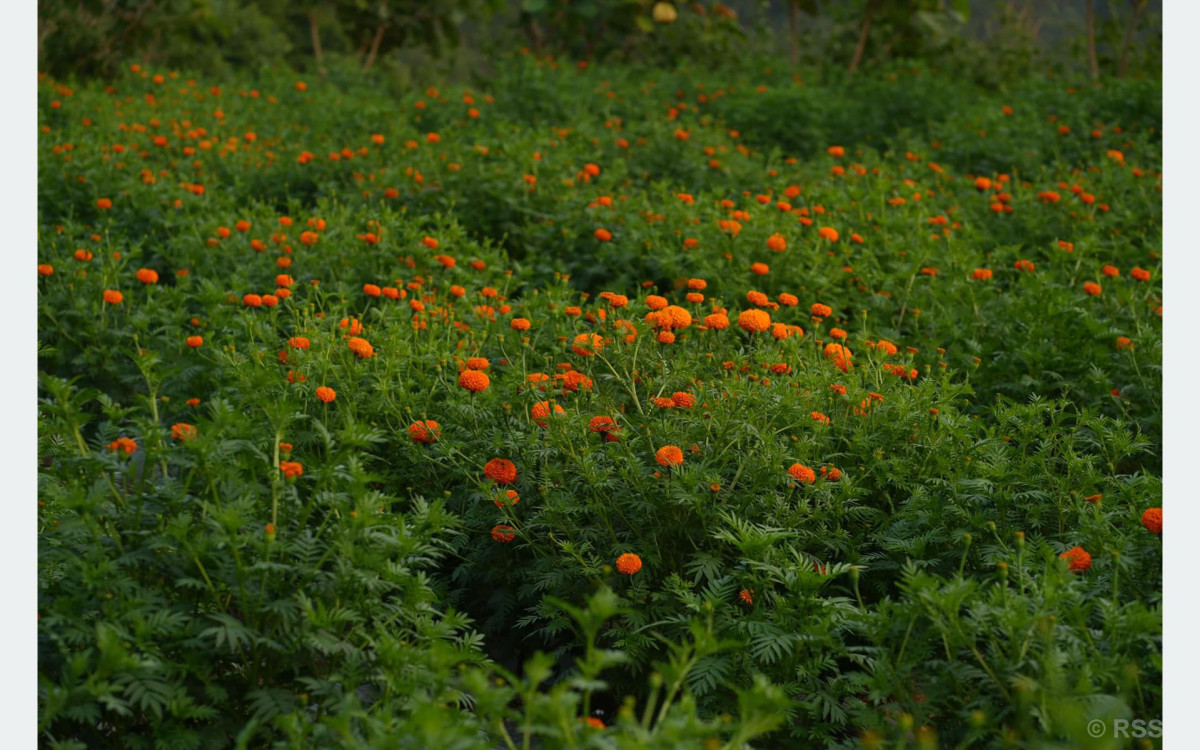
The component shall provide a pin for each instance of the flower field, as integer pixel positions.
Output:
(599, 407)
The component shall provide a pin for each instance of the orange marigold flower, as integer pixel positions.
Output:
(602, 424)
(663, 402)
(594, 723)
(104, 204)
(1024, 265)
(760, 269)
(655, 302)
(697, 285)
(628, 564)
(474, 380)
(503, 533)
(83, 256)
(665, 337)
(981, 274)
(511, 495)
(520, 324)
(669, 455)
(836, 151)
(326, 394)
(1110, 271)
(716, 322)
(113, 297)
(147, 276)
(541, 411)
(252, 300)
(839, 355)
(122, 444)
(802, 473)
(298, 342)
(754, 321)
(788, 299)
(291, 469)
(426, 431)
(777, 243)
(1140, 274)
(361, 347)
(887, 347)
(478, 363)
(183, 431)
(1077, 559)
(828, 233)
(587, 344)
(195, 342)
(819, 417)
(1123, 342)
(683, 400)
(821, 311)
(603, 235)
(746, 595)
(500, 471)
(1151, 519)
(1092, 288)
(371, 290)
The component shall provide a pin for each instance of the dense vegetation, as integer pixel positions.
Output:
(599, 406)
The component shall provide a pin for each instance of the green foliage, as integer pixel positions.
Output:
(228, 556)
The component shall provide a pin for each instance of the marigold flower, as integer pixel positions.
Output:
(1140, 274)
(478, 363)
(326, 394)
(716, 322)
(602, 424)
(500, 471)
(754, 321)
(195, 342)
(183, 431)
(839, 355)
(587, 344)
(683, 400)
(298, 342)
(541, 411)
(1151, 519)
(1110, 271)
(828, 233)
(1077, 558)
(1123, 342)
(758, 299)
(503, 533)
(603, 235)
(788, 299)
(777, 243)
(147, 276)
(669, 455)
(474, 380)
(122, 444)
(981, 274)
(1092, 288)
(361, 347)
(746, 595)
(427, 431)
(821, 311)
(291, 469)
(655, 302)
(113, 297)
(1024, 265)
(697, 285)
(371, 290)
(628, 564)
(802, 473)
(252, 300)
